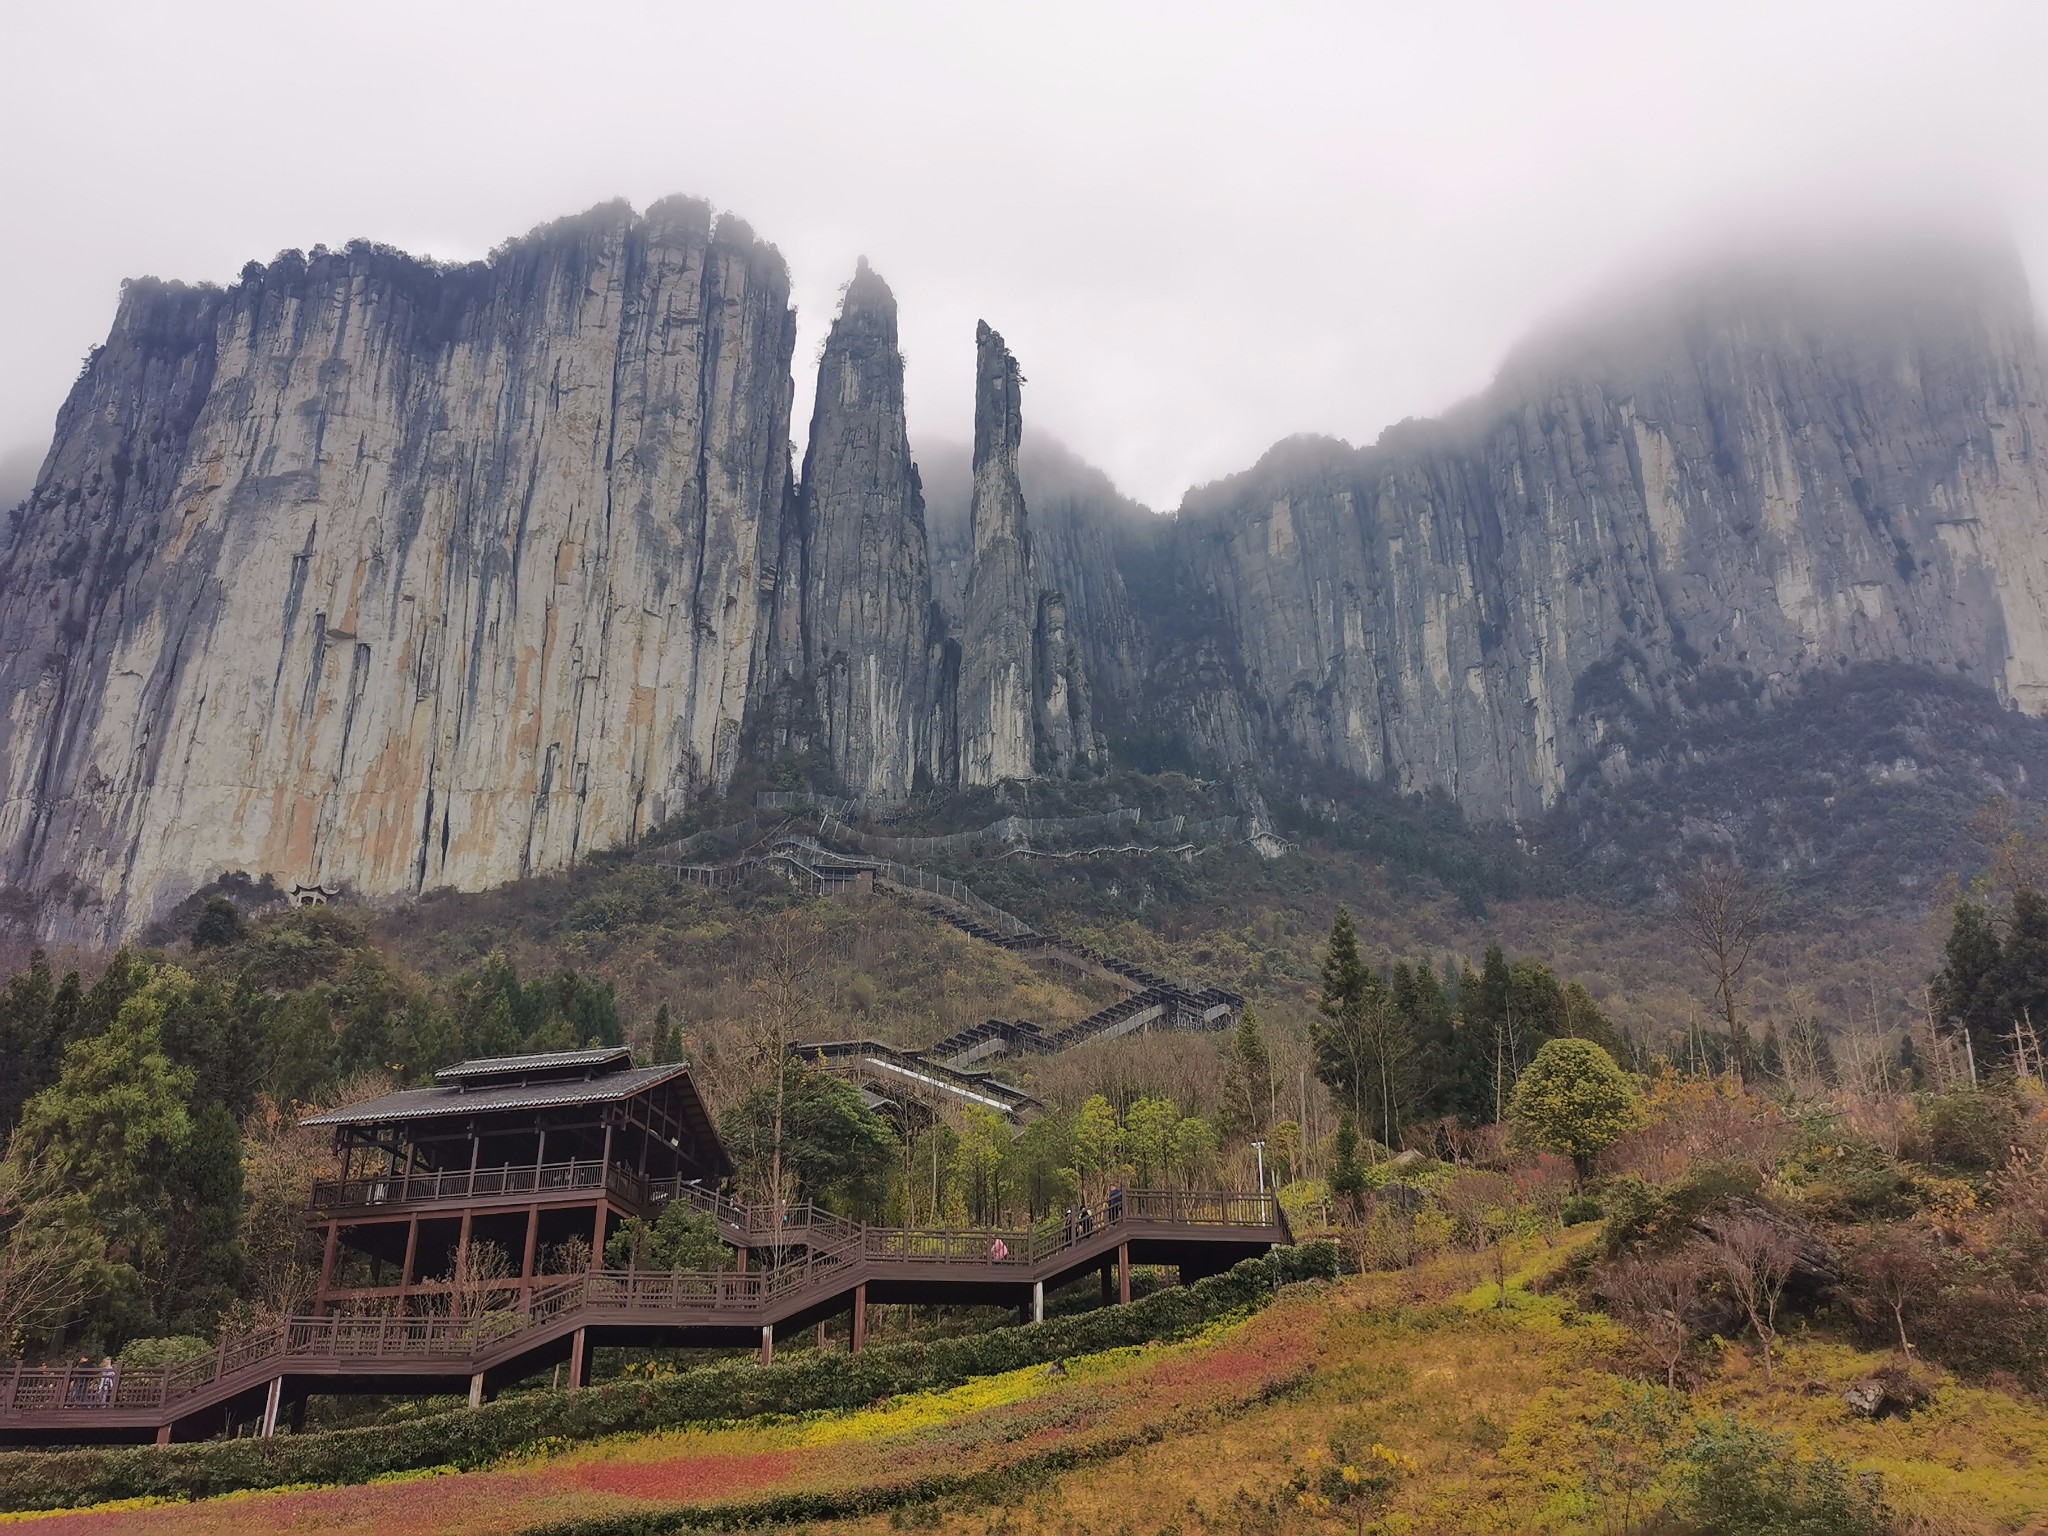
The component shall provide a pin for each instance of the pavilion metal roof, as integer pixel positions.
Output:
(549, 1063)
(450, 1099)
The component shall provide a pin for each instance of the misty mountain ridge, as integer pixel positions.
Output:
(373, 574)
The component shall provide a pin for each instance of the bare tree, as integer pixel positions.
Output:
(479, 1284)
(1893, 1271)
(1659, 1298)
(1485, 1209)
(1756, 1258)
(785, 995)
(1722, 915)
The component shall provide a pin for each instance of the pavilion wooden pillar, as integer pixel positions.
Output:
(526, 1263)
(860, 1317)
(412, 1250)
(461, 1272)
(327, 1257)
(597, 1237)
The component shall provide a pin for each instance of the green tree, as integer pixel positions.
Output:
(1044, 1162)
(1363, 1049)
(204, 1268)
(1574, 1100)
(680, 1238)
(1247, 1079)
(109, 1133)
(1964, 992)
(219, 926)
(1148, 1139)
(1347, 1176)
(983, 1163)
(1098, 1140)
(667, 1041)
(837, 1150)
(1194, 1149)
(2021, 982)
(29, 1037)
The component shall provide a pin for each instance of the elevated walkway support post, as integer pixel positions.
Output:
(476, 1390)
(767, 1343)
(579, 1359)
(273, 1402)
(1123, 1274)
(860, 1317)
(1038, 1301)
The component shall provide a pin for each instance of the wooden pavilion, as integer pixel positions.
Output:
(528, 1153)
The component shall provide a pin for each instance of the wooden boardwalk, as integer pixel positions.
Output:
(806, 1265)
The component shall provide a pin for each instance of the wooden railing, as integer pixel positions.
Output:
(414, 1188)
(832, 1247)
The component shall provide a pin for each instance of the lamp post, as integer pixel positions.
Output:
(1260, 1148)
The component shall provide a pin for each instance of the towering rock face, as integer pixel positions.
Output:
(1000, 608)
(1725, 490)
(364, 572)
(866, 579)
(370, 573)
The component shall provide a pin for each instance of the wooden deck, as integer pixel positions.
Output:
(809, 1265)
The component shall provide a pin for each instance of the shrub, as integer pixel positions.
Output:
(1740, 1481)
(1645, 1218)
(1966, 1129)
(138, 1354)
(468, 1438)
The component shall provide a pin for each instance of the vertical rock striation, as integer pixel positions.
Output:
(866, 579)
(1000, 607)
(1721, 490)
(375, 573)
(372, 573)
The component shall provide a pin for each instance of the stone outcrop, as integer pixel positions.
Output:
(866, 580)
(372, 574)
(999, 616)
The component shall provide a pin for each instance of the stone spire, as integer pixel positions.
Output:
(867, 582)
(996, 694)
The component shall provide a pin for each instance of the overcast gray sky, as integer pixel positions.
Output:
(1201, 227)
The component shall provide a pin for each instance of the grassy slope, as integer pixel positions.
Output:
(1494, 1405)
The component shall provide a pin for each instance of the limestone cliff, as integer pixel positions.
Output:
(1000, 607)
(866, 580)
(369, 573)
(1732, 486)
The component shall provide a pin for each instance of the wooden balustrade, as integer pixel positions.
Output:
(833, 1248)
(361, 1191)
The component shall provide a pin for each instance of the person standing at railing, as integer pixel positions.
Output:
(108, 1372)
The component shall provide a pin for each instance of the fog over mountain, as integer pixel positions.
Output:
(1204, 227)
